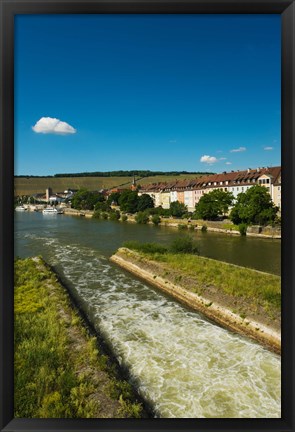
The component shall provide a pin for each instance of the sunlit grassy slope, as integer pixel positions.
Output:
(27, 186)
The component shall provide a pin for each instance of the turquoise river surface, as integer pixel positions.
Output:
(181, 363)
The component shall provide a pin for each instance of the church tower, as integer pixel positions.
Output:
(133, 186)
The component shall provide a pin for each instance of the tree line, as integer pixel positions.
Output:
(120, 173)
(124, 173)
(254, 206)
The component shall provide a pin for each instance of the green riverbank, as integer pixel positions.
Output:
(60, 372)
(225, 227)
(241, 299)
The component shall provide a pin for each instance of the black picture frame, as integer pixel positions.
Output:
(8, 9)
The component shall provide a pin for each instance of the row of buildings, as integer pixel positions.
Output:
(189, 192)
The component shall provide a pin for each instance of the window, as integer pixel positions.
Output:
(267, 180)
(242, 189)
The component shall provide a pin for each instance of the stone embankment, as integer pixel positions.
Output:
(152, 272)
(74, 212)
(252, 231)
(218, 227)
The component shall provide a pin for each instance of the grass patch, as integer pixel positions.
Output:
(261, 288)
(59, 371)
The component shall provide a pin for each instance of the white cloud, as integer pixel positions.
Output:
(240, 149)
(268, 148)
(49, 125)
(222, 158)
(227, 163)
(208, 159)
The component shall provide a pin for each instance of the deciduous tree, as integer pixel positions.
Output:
(255, 206)
(214, 204)
(86, 200)
(145, 201)
(128, 201)
(177, 209)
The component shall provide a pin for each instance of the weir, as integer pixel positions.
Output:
(182, 364)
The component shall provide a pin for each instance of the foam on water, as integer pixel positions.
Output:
(183, 364)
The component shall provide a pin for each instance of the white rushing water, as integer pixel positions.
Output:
(184, 365)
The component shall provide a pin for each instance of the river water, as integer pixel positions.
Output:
(181, 363)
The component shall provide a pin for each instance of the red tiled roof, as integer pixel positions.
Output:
(244, 177)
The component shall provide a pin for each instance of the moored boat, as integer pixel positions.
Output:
(52, 210)
(20, 208)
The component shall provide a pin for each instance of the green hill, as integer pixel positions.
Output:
(31, 185)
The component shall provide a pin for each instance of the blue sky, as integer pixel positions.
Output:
(158, 92)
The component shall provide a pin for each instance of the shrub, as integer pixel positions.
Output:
(156, 219)
(243, 229)
(96, 214)
(102, 206)
(182, 226)
(191, 227)
(124, 218)
(158, 211)
(104, 215)
(128, 409)
(114, 215)
(142, 218)
(145, 247)
(204, 228)
(164, 212)
(184, 244)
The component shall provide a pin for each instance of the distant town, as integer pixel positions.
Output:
(186, 191)
(189, 192)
